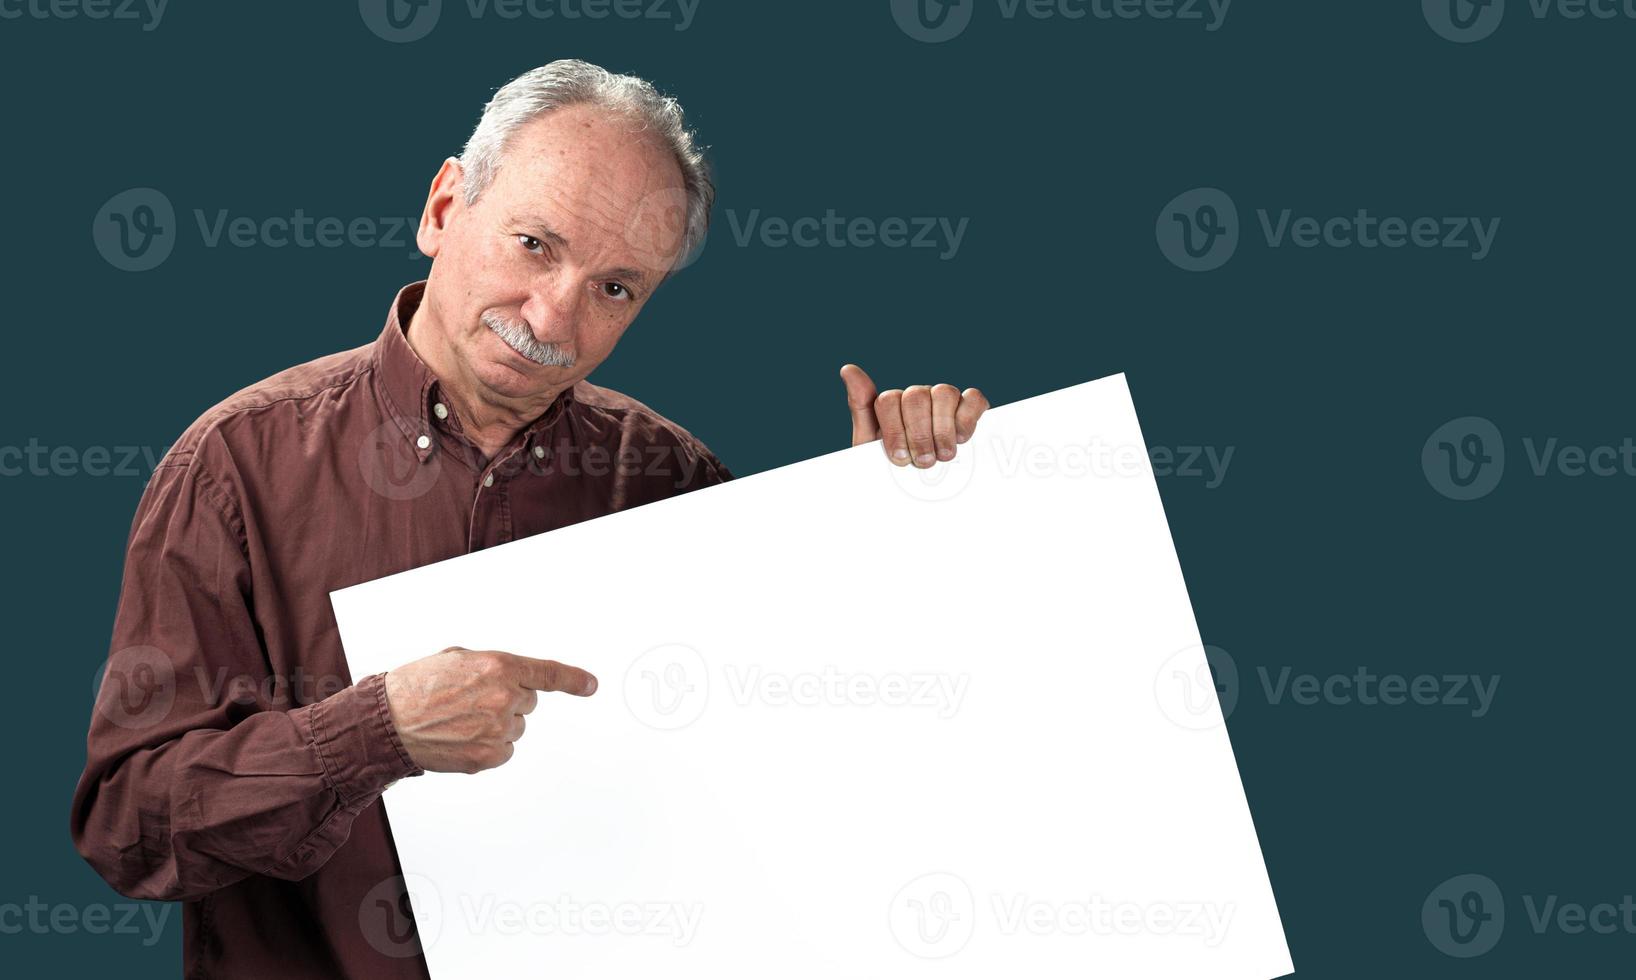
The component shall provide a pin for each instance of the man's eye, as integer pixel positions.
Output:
(531, 243)
(615, 290)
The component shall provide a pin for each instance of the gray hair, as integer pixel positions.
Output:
(571, 82)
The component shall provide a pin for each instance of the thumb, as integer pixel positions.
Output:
(860, 398)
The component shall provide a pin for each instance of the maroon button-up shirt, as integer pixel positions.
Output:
(232, 764)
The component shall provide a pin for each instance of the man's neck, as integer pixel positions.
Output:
(487, 420)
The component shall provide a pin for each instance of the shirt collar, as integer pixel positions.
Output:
(410, 389)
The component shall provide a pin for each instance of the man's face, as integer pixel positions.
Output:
(534, 284)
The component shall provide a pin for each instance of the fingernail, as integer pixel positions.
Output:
(590, 687)
(924, 459)
(901, 455)
(945, 454)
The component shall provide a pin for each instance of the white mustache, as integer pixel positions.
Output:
(521, 339)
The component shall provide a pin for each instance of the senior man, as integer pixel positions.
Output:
(232, 764)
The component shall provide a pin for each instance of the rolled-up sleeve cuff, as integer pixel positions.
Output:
(360, 748)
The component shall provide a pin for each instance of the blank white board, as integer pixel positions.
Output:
(854, 721)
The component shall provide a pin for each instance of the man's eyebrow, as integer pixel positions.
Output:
(541, 230)
(635, 275)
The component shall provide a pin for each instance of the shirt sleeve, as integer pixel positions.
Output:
(186, 787)
(712, 472)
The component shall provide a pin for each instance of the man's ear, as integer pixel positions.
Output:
(443, 202)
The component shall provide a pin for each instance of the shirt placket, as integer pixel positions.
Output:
(490, 521)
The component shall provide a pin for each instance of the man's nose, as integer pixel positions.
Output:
(552, 309)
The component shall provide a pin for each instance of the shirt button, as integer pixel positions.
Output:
(488, 481)
(440, 410)
(539, 452)
(424, 442)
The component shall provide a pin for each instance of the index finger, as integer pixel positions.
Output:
(549, 675)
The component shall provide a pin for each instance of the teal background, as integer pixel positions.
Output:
(1325, 547)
